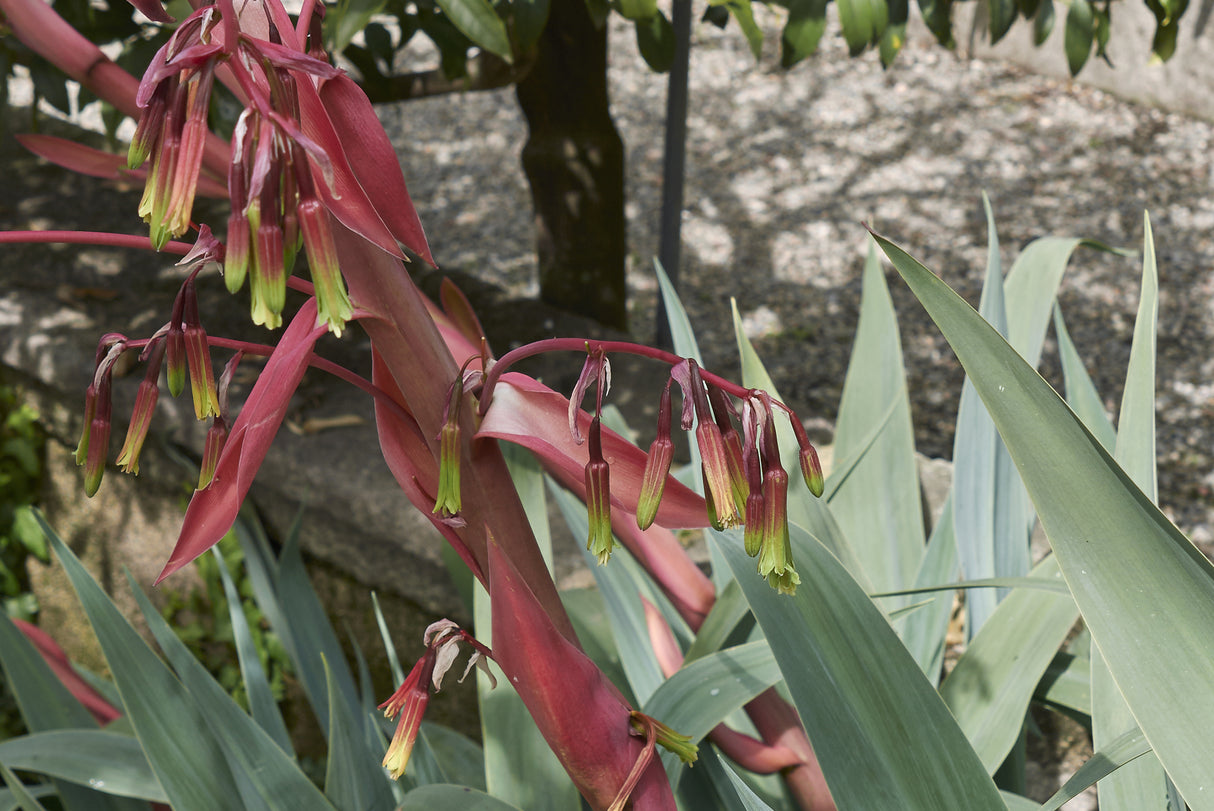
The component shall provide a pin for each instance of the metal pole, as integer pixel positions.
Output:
(675, 158)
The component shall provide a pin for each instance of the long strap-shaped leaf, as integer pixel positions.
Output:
(882, 734)
(1140, 786)
(1144, 590)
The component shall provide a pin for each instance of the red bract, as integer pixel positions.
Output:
(213, 510)
(374, 161)
(102, 710)
(106, 165)
(579, 712)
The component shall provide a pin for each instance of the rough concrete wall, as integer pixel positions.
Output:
(1185, 83)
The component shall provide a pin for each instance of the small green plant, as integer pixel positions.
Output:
(201, 618)
(21, 443)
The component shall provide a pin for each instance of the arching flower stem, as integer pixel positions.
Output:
(584, 346)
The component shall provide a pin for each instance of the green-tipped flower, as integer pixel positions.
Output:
(97, 436)
(98, 450)
(598, 497)
(332, 302)
(198, 358)
(652, 729)
(151, 118)
(137, 431)
(217, 435)
(715, 459)
(447, 503)
(184, 183)
(657, 466)
(268, 285)
(721, 410)
(145, 407)
(753, 535)
(158, 189)
(775, 553)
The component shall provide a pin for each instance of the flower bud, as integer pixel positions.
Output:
(721, 409)
(217, 435)
(657, 466)
(176, 355)
(332, 301)
(98, 442)
(811, 468)
(447, 503)
(90, 410)
(717, 479)
(198, 357)
(598, 497)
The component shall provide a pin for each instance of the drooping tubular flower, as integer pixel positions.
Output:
(442, 640)
(276, 208)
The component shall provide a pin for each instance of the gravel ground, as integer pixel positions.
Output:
(783, 167)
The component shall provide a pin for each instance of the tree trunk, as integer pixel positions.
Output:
(574, 161)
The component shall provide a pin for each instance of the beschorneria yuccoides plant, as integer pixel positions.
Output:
(309, 169)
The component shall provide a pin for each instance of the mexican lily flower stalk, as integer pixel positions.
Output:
(312, 176)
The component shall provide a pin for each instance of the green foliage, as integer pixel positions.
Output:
(21, 455)
(21, 444)
(202, 619)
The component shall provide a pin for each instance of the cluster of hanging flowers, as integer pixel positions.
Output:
(276, 208)
(745, 484)
(184, 347)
